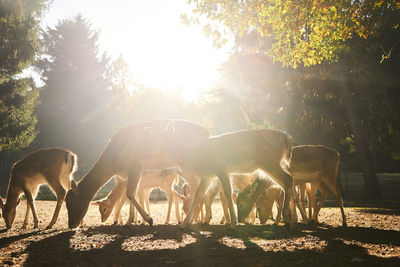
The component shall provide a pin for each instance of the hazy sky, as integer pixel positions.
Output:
(160, 51)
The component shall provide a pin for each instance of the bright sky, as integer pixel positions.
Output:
(160, 51)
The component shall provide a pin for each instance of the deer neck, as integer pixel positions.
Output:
(262, 185)
(12, 197)
(101, 172)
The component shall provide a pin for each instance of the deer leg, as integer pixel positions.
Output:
(176, 203)
(311, 193)
(132, 218)
(324, 194)
(198, 216)
(31, 203)
(299, 205)
(224, 203)
(208, 215)
(118, 208)
(226, 186)
(169, 207)
(302, 191)
(141, 196)
(26, 220)
(340, 200)
(336, 190)
(60, 193)
(147, 201)
(279, 207)
(201, 189)
(131, 188)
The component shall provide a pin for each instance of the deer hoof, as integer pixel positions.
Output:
(151, 221)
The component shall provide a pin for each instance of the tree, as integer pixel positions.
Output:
(312, 32)
(19, 47)
(74, 98)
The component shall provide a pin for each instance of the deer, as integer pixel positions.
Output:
(115, 196)
(273, 194)
(186, 197)
(52, 166)
(130, 151)
(237, 152)
(163, 179)
(238, 181)
(314, 164)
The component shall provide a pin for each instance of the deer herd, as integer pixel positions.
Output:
(261, 165)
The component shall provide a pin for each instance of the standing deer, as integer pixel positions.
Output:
(151, 178)
(52, 166)
(240, 152)
(130, 151)
(314, 164)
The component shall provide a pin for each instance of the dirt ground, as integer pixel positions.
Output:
(372, 238)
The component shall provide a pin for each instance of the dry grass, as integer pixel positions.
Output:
(372, 238)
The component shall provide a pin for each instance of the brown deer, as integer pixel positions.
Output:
(52, 166)
(238, 181)
(273, 194)
(116, 196)
(315, 164)
(239, 152)
(130, 151)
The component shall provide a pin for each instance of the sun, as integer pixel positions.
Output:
(162, 53)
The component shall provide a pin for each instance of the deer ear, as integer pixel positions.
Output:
(96, 203)
(74, 186)
(18, 201)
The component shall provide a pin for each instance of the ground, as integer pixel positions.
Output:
(372, 238)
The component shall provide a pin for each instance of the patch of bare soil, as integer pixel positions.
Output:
(372, 238)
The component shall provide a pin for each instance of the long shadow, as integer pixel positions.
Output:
(4, 242)
(206, 248)
(382, 211)
(362, 234)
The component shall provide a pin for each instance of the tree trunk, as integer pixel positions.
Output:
(372, 188)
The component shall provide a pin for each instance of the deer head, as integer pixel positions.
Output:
(105, 208)
(74, 205)
(9, 211)
(246, 199)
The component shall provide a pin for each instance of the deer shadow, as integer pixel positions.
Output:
(202, 245)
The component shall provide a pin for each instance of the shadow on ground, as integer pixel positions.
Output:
(210, 245)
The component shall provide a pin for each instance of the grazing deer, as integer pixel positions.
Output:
(273, 194)
(238, 181)
(52, 166)
(317, 165)
(163, 179)
(107, 204)
(186, 197)
(130, 151)
(237, 152)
